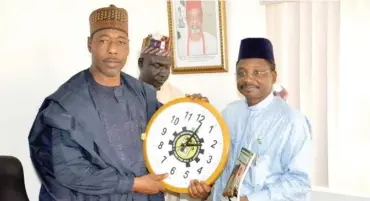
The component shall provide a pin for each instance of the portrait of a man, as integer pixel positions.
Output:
(198, 37)
(198, 29)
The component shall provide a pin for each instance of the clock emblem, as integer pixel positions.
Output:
(187, 139)
(186, 146)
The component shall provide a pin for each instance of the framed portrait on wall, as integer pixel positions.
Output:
(199, 39)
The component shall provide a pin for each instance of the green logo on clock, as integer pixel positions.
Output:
(186, 146)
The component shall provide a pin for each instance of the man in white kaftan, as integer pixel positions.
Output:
(266, 125)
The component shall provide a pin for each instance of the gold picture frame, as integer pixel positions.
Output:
(209, 54)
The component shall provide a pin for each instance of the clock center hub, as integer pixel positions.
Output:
(186, 146)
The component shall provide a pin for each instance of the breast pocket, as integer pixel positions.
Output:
(260, 146)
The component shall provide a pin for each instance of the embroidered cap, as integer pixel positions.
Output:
(108, 18)
(157, 45)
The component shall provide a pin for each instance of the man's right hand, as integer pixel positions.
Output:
(199, 190)
(149, 184)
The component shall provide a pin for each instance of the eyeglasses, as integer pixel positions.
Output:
(256, 74)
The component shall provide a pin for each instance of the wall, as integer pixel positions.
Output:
(44, 43)
(325, 194)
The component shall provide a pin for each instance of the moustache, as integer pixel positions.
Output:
(248, 86)
(161, 79)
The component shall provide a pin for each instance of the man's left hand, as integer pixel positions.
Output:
(199, 190)
(197, 97)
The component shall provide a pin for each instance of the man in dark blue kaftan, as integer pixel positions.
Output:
(85, 141)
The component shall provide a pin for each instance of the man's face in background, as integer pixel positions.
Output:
(194, 19)
(154, 70)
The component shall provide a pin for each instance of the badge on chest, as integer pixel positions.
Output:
(188, 140)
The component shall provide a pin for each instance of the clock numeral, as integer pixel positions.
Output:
(160, 145)
(173, 170)
(186, 174)
(175, 120)
(200, 170)
(164, 131)
(210, 159)
(200, 118)
(214, 143)
(188, 116)
(210, 130)
(164, 158)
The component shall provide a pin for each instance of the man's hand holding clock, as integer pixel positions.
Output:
(199, 189)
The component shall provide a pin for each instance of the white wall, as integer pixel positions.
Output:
(325, 194)
(44, 43)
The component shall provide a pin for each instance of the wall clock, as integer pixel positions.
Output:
(188, 139)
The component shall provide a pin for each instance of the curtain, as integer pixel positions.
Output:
(306, 39)
(322, 56)
(349, 171)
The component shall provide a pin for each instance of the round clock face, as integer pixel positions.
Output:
(188, 140)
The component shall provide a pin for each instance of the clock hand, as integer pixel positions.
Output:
(188, 145)
(194, 133)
